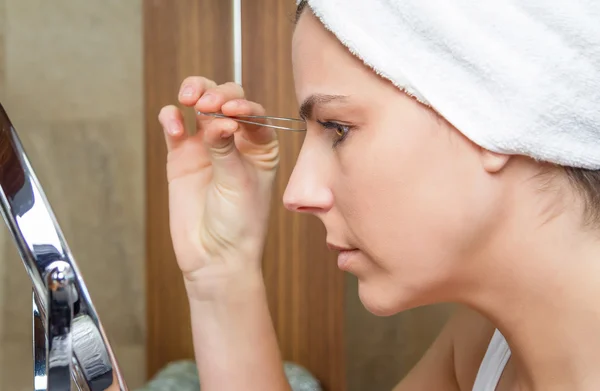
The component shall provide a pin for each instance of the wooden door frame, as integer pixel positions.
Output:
(305, 288)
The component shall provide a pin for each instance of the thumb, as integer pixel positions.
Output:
(227, 163)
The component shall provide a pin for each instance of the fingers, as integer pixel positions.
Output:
(227, 164)
(192, 88)
(218, 138)
(229, 99)
(255, 134)
(212, 100)
(171, 119)
(224, 140)
(218, 143)
(242, 107)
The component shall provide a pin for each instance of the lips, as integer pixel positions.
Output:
(344, 256)
(339, 248)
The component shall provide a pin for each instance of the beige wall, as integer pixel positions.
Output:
(71, 81)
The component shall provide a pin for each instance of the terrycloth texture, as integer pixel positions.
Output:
(514, 76)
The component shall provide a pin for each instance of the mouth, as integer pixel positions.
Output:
(344, 256)
(333, 247)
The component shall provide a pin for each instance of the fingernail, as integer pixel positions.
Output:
(187, 91)
(207, 99)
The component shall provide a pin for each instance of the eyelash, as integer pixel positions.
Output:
(345, 129)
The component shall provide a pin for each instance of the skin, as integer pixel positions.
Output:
(430, 217)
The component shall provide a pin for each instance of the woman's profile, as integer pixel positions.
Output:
(450, 158)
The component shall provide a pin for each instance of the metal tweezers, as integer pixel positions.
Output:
(297, 125)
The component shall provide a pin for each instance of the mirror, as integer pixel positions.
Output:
(67, 333)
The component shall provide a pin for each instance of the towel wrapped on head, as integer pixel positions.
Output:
(514, 76)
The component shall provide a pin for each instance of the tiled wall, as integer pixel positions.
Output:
(71, 81)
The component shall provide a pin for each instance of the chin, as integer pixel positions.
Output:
(385, 302)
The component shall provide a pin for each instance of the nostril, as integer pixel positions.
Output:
(309, 200)
(294, 206)
(305, 209)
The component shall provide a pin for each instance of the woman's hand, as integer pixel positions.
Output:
(220, 185)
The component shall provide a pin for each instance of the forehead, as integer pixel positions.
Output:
(321, 62)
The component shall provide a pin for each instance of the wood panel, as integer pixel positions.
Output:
(181, 38)
(304, 284)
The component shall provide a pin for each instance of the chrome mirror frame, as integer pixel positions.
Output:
(68, 338)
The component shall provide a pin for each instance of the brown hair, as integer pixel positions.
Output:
(299, 9)
(585, 182)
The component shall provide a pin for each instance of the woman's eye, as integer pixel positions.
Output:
(341, 131)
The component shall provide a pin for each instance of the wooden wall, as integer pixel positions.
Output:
(191, 37)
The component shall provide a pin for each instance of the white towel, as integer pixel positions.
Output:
(514, 76)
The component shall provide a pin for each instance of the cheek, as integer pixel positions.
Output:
(407, 202)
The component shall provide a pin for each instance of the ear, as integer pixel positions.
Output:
(493, 162)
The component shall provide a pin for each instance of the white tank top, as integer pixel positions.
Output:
(493, 364)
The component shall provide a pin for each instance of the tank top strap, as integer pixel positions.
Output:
(493, 364)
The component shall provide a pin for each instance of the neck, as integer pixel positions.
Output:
(544, 296)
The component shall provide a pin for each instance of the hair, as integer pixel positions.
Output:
(585, 182)
(299, 9)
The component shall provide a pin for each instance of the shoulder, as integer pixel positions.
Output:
(453, 360)
(471, 334)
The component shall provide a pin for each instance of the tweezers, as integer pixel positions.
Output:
(298, 125)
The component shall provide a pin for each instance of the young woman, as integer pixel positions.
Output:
(421, 210)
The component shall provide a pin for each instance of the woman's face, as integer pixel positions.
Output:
(387, 177)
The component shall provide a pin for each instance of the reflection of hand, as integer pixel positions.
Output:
(220, 182)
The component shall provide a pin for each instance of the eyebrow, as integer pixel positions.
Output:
(307, 107)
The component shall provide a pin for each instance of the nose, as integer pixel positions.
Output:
(307, 190)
